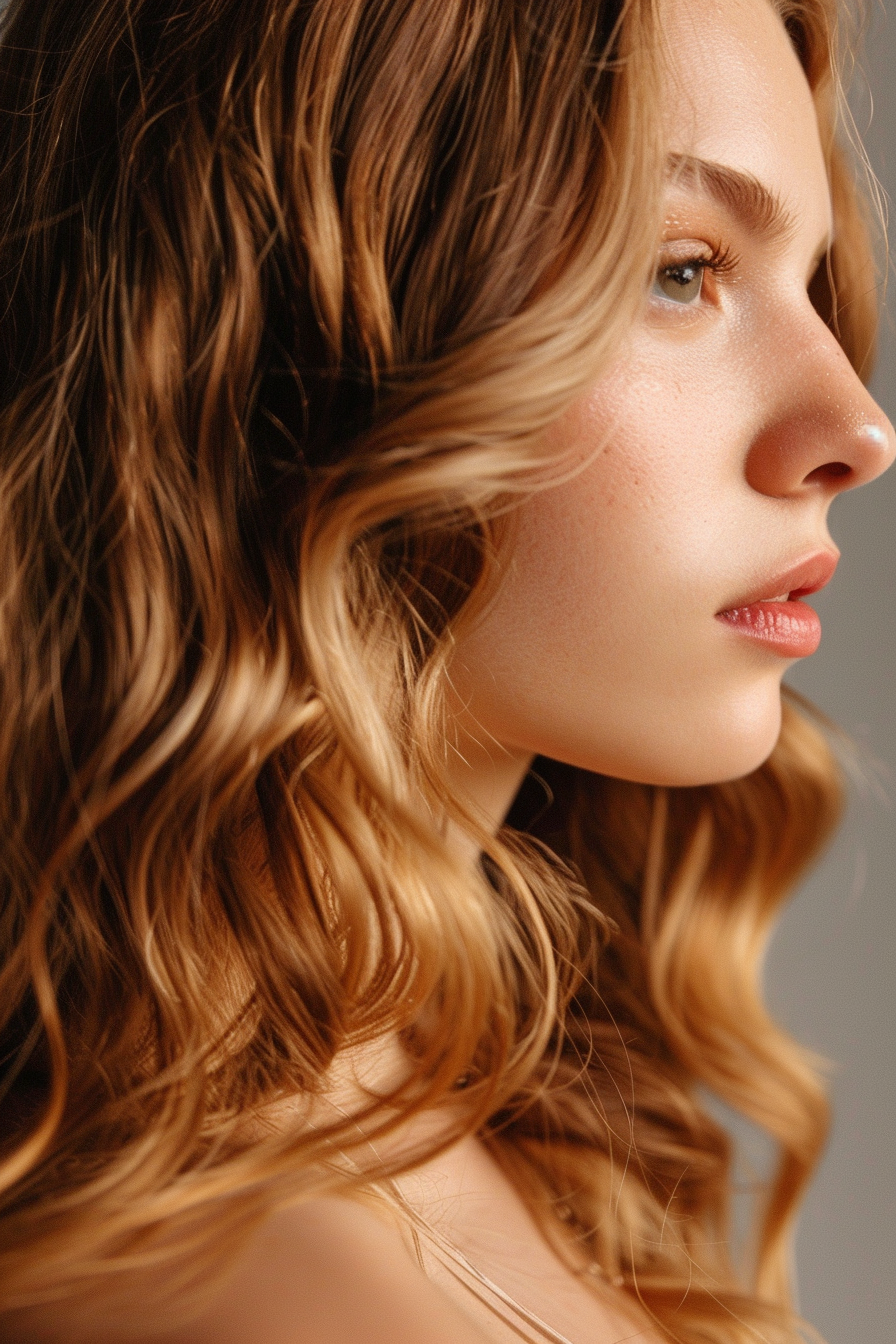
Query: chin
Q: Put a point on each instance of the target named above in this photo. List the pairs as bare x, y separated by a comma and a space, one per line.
685, 747
715, 748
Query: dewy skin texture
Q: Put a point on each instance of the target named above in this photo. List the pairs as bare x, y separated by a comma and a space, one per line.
708, 459
314, 319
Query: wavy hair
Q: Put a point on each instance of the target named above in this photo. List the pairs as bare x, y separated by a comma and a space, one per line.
289, 291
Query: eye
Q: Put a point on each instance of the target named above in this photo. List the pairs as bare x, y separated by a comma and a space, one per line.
681, 279
682, 283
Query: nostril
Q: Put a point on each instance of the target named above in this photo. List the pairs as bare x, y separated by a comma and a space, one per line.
822, 450
831, 471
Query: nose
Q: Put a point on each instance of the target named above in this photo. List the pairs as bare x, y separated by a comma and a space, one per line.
825, 433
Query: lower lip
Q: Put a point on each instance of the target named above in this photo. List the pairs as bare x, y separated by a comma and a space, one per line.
790, 629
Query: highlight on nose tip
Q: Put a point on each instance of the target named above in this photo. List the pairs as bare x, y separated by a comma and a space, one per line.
877, 435
879, 441
872, 452
884, 440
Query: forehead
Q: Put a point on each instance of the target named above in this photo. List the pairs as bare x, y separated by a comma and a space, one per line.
735, 94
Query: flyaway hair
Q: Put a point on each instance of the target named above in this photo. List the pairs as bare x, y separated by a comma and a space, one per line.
289, 291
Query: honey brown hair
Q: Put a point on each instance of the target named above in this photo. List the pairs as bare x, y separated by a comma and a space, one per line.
289, 291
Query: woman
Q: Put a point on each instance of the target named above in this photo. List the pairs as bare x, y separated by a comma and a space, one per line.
395, 393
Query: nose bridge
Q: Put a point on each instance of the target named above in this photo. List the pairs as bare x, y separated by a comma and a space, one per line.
824, 429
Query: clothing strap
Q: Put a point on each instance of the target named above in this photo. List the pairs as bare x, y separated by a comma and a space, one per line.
523, 1322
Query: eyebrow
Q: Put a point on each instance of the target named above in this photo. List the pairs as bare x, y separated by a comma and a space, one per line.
757, 207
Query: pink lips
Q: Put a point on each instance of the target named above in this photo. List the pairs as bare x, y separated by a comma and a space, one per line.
787, 626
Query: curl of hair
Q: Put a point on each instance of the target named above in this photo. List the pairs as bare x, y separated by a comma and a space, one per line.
288, 293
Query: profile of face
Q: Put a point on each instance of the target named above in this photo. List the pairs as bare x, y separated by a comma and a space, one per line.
649, 602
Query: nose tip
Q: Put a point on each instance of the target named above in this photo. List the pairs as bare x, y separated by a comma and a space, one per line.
866, 450
795, 456
876, 448
882, 437
876, 435
826, 434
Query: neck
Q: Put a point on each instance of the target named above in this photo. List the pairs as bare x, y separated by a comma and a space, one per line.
486, 775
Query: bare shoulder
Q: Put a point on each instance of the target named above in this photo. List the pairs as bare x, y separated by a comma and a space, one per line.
330, 1272
327, 1272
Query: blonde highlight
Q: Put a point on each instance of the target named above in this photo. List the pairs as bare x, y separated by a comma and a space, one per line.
310, 317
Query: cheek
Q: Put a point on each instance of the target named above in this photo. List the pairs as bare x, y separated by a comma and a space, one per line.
631, 539
601, 647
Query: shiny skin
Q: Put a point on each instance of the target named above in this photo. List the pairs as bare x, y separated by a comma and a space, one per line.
602, 647
708, 456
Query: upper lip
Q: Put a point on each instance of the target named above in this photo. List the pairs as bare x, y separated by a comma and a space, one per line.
807, 576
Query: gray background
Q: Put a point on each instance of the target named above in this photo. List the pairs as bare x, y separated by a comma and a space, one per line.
830, 974
830, 968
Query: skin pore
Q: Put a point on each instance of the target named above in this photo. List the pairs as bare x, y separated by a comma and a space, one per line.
700, 471
704, 462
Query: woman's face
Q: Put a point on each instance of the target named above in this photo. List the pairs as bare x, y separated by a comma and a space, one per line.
640, 629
